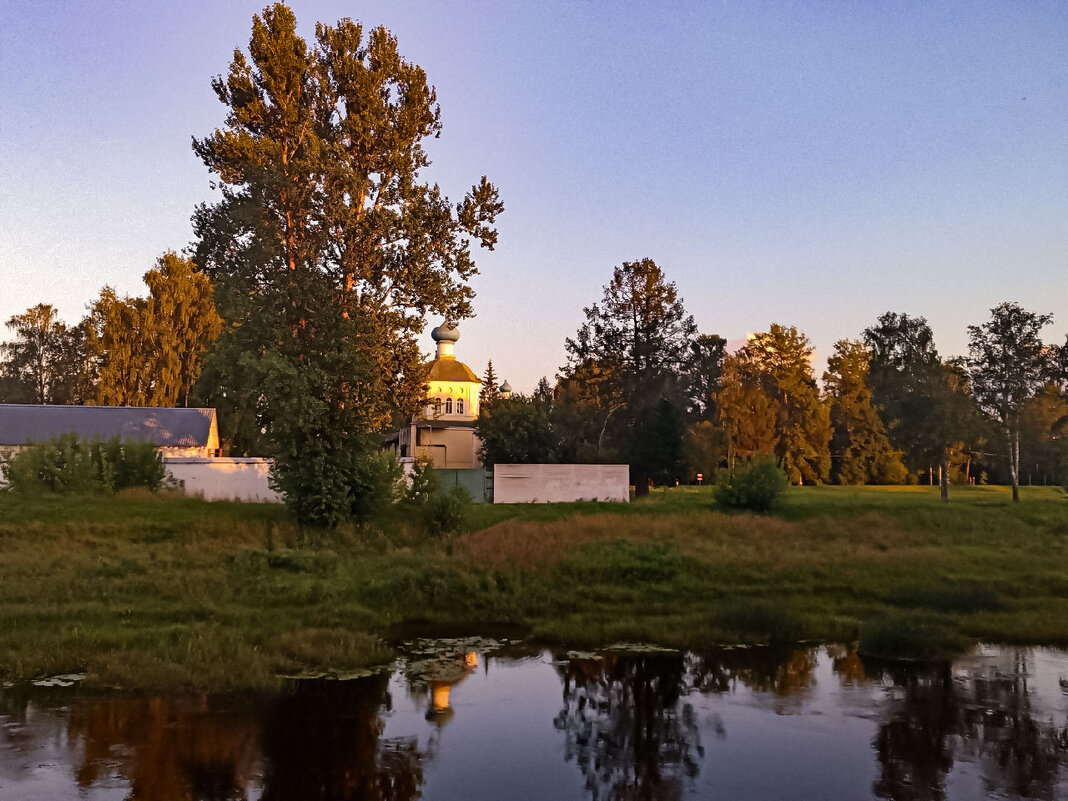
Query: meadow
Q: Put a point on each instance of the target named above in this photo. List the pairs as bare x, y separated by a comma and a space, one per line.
145, 591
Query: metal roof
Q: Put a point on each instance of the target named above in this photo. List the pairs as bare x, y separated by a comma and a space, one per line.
448, 369
163, 427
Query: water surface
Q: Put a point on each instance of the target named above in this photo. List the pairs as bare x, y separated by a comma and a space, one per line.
480, 720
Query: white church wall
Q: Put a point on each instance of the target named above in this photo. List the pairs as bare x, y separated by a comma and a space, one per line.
224, 478
560, 483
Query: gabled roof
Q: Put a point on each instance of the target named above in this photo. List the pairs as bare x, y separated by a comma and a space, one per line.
448, 369
163, 427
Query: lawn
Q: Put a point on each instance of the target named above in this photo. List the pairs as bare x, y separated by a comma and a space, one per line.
145, 591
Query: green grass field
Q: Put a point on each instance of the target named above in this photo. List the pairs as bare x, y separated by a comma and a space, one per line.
145, 591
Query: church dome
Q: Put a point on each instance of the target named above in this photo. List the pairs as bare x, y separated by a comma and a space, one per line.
445, 334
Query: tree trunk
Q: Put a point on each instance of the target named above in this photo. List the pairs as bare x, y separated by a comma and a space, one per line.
1014, 463
943, 477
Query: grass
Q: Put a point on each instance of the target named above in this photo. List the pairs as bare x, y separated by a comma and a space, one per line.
155, 592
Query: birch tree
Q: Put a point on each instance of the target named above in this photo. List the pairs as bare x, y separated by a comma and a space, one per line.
1009, 364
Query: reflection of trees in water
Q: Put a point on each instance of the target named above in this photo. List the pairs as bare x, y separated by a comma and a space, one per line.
626, 728
168, 749
323, 742
986, 714
785, 673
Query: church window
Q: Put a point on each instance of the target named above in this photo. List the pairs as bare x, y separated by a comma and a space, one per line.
448, 406
460, 406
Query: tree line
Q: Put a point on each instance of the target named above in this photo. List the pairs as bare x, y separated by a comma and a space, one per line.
126, 351
644, 387
297, 310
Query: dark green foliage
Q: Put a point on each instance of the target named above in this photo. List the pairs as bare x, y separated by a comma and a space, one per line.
515, 430
656, 441
1009, 365
703, 370
625, 562
46, 362
766, 621
626, 357
961, 597
445, 512
924, 402
68, 464
329, 251
910, 636
755, 485
423, 483
439, 511
860, 450
769, 400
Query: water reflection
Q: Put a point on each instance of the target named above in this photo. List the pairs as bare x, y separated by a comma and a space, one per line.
985, 713
323, 741
655, 726
626, 728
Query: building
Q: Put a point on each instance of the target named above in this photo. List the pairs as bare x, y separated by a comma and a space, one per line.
443, 433
176, 432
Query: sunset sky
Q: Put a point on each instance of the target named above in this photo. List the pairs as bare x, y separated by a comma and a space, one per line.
810, 164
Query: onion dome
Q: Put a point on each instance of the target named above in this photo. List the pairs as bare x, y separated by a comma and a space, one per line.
445, 334
506, 387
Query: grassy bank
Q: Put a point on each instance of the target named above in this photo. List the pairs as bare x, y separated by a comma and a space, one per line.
163, 592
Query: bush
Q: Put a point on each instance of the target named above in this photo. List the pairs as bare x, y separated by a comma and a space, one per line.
910, 637
68, 464
755, 485
445, 512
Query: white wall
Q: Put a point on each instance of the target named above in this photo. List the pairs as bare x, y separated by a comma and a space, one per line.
224, 478
560, 483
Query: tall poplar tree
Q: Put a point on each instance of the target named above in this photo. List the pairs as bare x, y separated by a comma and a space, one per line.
329, 249
149, 351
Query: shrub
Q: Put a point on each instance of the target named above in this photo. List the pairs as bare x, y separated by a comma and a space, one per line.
909, 637
760, 620
755, 485
68, 464
445, 512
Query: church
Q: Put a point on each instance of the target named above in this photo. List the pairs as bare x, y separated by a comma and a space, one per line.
443, 433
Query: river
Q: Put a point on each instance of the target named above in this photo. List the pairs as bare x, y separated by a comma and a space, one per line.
486, 720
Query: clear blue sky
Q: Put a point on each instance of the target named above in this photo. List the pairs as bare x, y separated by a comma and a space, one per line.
813, 164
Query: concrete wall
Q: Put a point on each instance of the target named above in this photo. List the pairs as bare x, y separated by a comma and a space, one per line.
560, 483
224, 478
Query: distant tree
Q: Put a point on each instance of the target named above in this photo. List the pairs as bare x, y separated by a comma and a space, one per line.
491, 389
749, 417
704, 449
543, 393
628, 357
515, 430
702, 371
150, 350
778, 364
1009, 364
119, 327
45, 362
860, 449
924, 402
183, 323
1044, 437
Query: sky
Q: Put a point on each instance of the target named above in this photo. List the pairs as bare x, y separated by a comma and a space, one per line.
805, 163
